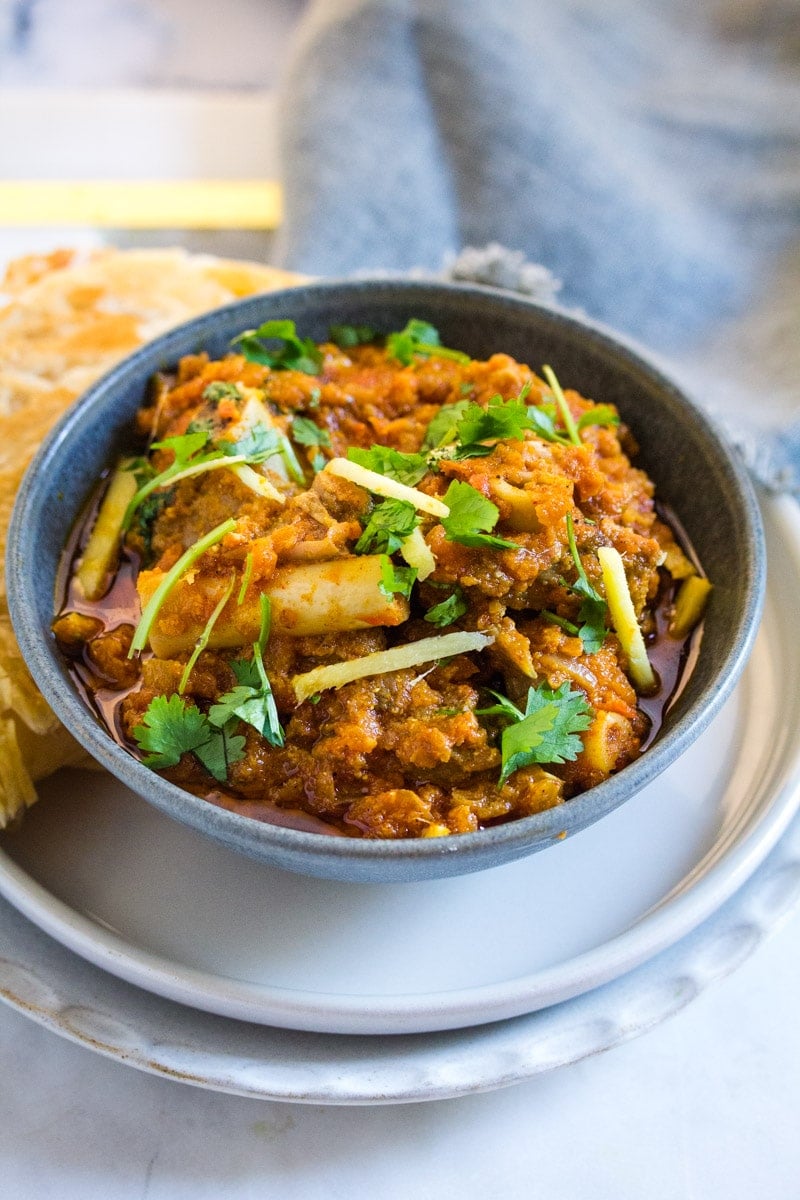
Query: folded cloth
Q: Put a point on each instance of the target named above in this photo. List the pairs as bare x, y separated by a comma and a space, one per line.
645, 152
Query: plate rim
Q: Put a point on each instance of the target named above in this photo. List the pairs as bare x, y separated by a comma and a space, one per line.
672, 919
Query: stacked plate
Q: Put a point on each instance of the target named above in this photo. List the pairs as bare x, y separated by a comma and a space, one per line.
149, 943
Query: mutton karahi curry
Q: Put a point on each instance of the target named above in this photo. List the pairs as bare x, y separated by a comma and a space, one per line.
378, 588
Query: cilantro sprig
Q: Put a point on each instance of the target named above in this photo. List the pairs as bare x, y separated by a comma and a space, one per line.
307, 433
171, 727
276, 344
471, 516
348, 336
405, 468
592, 613
546, 732
447, 611
396, 580
252, 700
389, 524
420, 338
172, 577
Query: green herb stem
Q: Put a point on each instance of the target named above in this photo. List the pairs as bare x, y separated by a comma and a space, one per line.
186, 560
563, 407
202, 641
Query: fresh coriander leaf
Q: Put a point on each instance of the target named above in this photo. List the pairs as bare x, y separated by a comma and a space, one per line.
292, 352
221, 749
447, 611
543, 418
503, 708
170, 728
600, 414
389, 525
252, 701
220, 390
258, 444
146, 514
314, 397
405, 468
547, 732
471, 515
419, 337
246, 672
592, 612
442, 429
307, 433
396, 580
347, 336
318, 463
261, 443
184, 447
501, 419
187, 461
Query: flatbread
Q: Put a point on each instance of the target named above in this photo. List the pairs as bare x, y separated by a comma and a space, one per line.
66, 320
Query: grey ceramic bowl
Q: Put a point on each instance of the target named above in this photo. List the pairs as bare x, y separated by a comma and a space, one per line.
694, 472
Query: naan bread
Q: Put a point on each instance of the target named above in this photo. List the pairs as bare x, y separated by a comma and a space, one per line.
66, 320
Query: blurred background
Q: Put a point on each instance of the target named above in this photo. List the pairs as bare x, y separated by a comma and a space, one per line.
140, 89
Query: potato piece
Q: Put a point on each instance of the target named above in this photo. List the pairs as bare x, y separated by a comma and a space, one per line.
603, 739
311, 598
522, 516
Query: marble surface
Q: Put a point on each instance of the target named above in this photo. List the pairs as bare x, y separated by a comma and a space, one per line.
702, 1107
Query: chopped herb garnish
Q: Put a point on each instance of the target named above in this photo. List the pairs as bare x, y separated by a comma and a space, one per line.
202, 641
188, 461
145, 517
186, 560
220, 390
396, 580
547, 732
471, 516
171, 727
307, 433
252, 700
599, 414
562, 406
499, 420
291, 352
419, 337
261, 443
347, 336
389, 525
405, 468
592, 613
444, 426
447, 611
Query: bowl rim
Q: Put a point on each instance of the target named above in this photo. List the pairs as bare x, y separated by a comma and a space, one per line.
268, 841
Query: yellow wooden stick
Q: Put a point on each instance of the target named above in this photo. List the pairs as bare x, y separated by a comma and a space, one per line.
142, 204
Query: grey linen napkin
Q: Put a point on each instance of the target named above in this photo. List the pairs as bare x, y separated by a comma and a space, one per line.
640, 158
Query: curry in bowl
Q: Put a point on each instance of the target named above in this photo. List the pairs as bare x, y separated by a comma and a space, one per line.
378, 588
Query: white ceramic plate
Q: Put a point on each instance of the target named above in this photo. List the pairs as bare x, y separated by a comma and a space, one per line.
157, 905
97, 1009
